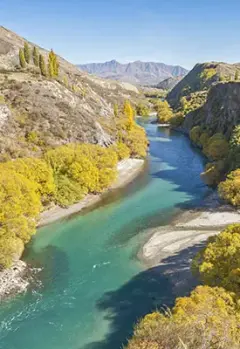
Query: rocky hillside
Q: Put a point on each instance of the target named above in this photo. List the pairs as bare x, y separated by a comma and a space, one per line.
201, 78
37, 112
140, 73
221, 112
169, 83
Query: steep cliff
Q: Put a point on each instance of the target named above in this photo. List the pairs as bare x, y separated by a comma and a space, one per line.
201, 78
221, 112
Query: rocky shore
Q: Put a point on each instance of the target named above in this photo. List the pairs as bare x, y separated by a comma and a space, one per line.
13, 280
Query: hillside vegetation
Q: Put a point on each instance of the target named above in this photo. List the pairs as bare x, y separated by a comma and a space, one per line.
209, 318
206, 106
62, 134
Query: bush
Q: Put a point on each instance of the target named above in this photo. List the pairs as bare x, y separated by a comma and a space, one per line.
213, 172
229, 190
208, 318
137, 142
37, 171
217, 147
234, 154
164, 112
218, 264
121, 150
195, 134
86, 168
177, 120
19, 207
68, 191
142, 109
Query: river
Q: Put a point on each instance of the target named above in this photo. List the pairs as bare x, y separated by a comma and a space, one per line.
92, 287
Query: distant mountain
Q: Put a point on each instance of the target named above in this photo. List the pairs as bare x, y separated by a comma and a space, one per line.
142, 73
169, 83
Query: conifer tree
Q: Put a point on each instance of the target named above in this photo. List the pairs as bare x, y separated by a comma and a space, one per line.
22, 60
35, 56
42, 65
236, 75
27, 53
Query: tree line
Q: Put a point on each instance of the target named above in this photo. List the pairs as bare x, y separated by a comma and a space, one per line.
27, 55
210, 316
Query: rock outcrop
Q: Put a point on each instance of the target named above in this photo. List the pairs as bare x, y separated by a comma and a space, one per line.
221, 112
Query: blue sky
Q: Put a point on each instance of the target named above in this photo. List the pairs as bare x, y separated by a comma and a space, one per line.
173, 31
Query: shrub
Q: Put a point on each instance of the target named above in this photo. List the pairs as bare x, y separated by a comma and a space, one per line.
217, 147
229, 190
68, 191
164, 112
19, 207
218, 264
208, 318
11, 248
137, 142
121, 150
37, 171
234, 153
212, 173
195, 134
204, 139
177, 119
142, 109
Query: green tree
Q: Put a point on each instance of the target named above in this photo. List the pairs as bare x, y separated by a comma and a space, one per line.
22, 60
42, 65
36, 56
27, 52
236, 77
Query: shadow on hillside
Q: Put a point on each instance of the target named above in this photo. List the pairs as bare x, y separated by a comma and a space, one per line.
152, 289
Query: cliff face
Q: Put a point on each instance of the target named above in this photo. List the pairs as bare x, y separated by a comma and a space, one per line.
37, 112
200, 78
221, 112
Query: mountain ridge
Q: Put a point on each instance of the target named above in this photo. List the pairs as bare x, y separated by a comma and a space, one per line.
137, 72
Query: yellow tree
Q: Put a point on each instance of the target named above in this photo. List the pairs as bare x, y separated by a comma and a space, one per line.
164, 112
208, 318
218, 264
129, 113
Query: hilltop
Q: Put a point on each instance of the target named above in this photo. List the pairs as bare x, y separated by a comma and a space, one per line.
139, 73
36, 111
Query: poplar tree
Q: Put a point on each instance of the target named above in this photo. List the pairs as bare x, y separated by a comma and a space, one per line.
236, 75
27, 53
35, 56
129, 112
53, 64
42, 65
22, 60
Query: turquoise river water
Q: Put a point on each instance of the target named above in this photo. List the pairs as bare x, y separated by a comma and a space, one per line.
92, 287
